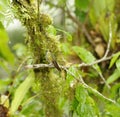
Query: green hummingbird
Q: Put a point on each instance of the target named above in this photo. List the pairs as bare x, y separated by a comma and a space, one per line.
51, 59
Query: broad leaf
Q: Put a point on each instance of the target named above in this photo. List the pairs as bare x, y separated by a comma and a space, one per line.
5, 12
86, 56
21, 92
66, 48
81, 94
81, 8
5, 52
115, 91
114, 58
71, 74
85, 105
68, 35
82, 5
112, 110
118, 64
114, 76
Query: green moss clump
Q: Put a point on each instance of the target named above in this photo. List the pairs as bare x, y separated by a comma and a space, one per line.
39, 41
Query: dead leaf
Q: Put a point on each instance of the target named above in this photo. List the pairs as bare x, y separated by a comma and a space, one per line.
100, 50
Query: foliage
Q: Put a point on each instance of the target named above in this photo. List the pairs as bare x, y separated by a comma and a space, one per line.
83, 41
4, 50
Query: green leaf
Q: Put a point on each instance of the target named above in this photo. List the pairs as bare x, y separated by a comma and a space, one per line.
101, 13
81, 8
86, 106
27, 110
66, 48
70, 78
118, 64
110, 4
68, 35
62, 2
99, 7
114, 76
113, 110
86, 110
81, 94
98, 12
75, 104
20, 49
114, 93
21, 92
105, 29
114, 58
3, 84
51, 29
5, 12
86, 56
3, 5
5, 52
81, 15
82, 4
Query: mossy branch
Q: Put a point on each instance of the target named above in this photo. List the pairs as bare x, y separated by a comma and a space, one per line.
39, 41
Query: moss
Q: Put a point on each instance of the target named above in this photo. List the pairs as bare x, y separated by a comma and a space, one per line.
39, 41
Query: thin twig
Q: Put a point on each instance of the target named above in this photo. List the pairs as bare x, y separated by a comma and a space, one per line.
109, 41
106, 54
102, 77
90, 89
23, 62
96, 62
83, 28
95, 92
36, 66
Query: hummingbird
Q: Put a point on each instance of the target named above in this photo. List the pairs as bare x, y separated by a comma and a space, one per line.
51, 59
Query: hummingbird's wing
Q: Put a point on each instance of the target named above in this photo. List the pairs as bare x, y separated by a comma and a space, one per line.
56, 65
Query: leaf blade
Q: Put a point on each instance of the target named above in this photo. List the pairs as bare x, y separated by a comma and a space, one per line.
5, 52
114, 76
86, 56
113, 60
21, 92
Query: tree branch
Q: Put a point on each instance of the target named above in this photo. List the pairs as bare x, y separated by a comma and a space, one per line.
36, 66
84, 30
